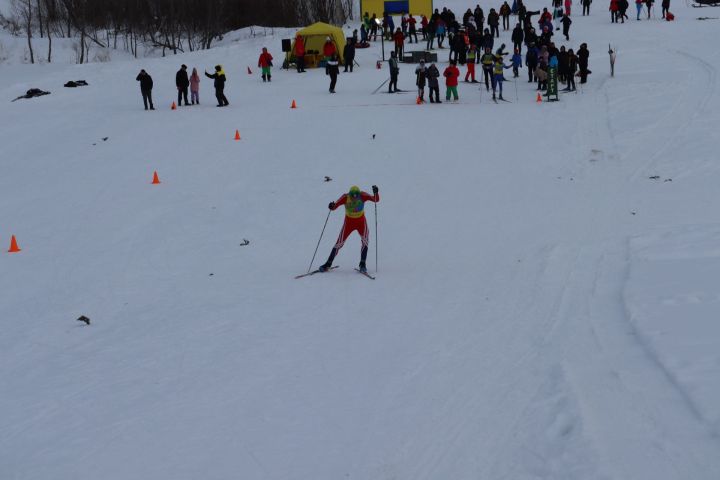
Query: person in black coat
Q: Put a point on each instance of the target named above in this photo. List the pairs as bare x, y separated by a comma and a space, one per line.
219, 84
146, 85
517, 37
583, 55
182, 82
349, 55
566, 25
333, 69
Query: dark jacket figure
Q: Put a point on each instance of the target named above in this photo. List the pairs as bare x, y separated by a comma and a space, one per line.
394, 72
566, 26
146, 85
493, 20
517, 38
182, 82
349, 55
572, 68
586, 7
583, 55
433, 76
219, 84
333, 69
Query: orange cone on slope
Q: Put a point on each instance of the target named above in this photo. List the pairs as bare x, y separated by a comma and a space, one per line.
237, 134
13, 245
173, 106
539, 98
294, 105
156, 179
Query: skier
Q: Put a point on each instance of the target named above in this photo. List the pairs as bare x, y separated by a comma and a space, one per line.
195, 87
572, 68
333, 69
219, 84
146, 85
265, 63
498, 75
614, 8
493, 21
394, 71
433, 75
354, 202
471, 57
586, 7
487, 61
649, 4
182, 82
420, 80
451, 75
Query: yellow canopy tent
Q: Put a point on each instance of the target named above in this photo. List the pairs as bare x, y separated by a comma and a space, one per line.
315, 35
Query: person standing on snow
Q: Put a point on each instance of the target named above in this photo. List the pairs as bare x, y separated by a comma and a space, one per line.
146, 85
471, 58
349, 55
329, 48
433, 76
354, 203
182, 82
219, 84
399, 39
265, 63
195, 87
583, 55
394, 72
333, 69
420, 80
487, 61
300, 54
451, 75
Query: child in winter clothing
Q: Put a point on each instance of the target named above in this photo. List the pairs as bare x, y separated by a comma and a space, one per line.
265, 62
433, 75
516, 63
420, 80
471, 57
195, 87
451, 75
498, 75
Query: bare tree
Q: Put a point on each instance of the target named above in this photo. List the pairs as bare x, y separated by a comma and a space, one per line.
23, 9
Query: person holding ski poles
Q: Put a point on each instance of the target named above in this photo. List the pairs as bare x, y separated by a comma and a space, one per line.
354, 202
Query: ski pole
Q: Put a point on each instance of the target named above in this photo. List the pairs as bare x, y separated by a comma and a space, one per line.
517, 99
319, 240
376, 240
381, 85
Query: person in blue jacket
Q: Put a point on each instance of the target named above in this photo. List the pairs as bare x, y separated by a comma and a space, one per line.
516, 63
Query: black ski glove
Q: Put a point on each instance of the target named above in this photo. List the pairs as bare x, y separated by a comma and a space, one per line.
375, 189
331, 205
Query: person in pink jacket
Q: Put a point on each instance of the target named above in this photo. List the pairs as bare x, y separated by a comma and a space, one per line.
568, 7
195, 87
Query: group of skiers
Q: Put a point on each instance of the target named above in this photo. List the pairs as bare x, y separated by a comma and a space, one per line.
183, 83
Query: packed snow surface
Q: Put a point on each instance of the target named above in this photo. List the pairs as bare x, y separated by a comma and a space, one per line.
543, 309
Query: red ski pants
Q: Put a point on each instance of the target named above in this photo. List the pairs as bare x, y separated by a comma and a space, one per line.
350, 225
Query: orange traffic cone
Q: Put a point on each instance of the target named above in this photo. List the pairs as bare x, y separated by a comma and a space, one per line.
539, 98
173, 106
13, 245
419, 101
156, 179
237, 134
294, 105
249, 71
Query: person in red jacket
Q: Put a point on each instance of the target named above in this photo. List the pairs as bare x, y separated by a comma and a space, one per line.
300, 53
451, 75
265, 62
329, 48
399, 39
354, 202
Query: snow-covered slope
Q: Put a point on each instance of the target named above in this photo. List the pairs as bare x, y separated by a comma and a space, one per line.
543, 309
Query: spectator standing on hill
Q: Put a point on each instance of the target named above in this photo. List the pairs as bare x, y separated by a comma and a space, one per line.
219, 84
182, 82
146, 85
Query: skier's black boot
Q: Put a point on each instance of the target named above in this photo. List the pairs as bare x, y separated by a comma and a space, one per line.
363, 257
362, 267
326, 266
264, 78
